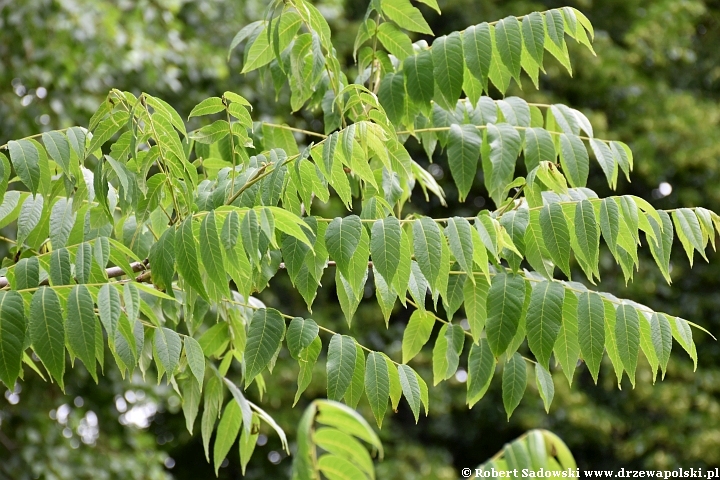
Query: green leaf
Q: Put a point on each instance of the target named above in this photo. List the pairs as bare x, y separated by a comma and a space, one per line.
627, 335
80, 326
83, 262
514, 383
354, 392
377, 385
187, 258
539, 147
60, 273
195, 358
410, 388
307, 359
392, 96
475, 301
464, 143
504, 308
264, 339
446, 353
509, 43
248, 441
607, 162
62, 220
342, 238
587, 233
481, 368
13, 325
544, 317
546, 388
419, 80
477, 46
300, 335
427, 243
167, 346
26, 161
447, 55
211, 254
207, 107
344, 446
162, 260
394, 40
566, 345
385, 246
574, 160
459, 234
27, 273
416, 334
191, 398
58, 147
227, 432
591, 330
47, 332
689, 232
556, 235
533, 34
29, 218
108, 302
340, 365
662, 339
406, 16
213, 403
337, 468
504, 144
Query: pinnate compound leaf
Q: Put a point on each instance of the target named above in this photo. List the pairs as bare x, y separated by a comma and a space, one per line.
419, 80
464, 143
514, 383
591, 330
195, 358
481, 368
265, 334
406, 16
447, 54
342, 238
505, 301
227, 432
385, 246
416, 334
410, 388
186, 248
544, 317
566, 348
377, 385
80, 326
427, 243
167, 346
556, 235
301, 334
446, 353
47, 332
627, 335
545, 385
340, 365
509, 44
26, 161
13, 324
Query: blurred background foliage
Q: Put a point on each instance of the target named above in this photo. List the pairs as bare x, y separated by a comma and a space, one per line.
655, 84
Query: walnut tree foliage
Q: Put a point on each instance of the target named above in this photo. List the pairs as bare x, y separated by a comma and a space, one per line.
135, 232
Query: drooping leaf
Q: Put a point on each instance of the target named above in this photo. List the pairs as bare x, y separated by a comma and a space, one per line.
514, 383
481, 368
544, 382
385, 246
464, 143
591, 330
377, 385
556, 235
627, 335
265, 334
13, 324
340, 365
47, 332
544, 317
447, 55
505, 300
80, 326
167, 346
446, 353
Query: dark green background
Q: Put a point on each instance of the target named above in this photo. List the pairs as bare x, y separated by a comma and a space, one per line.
654, 84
